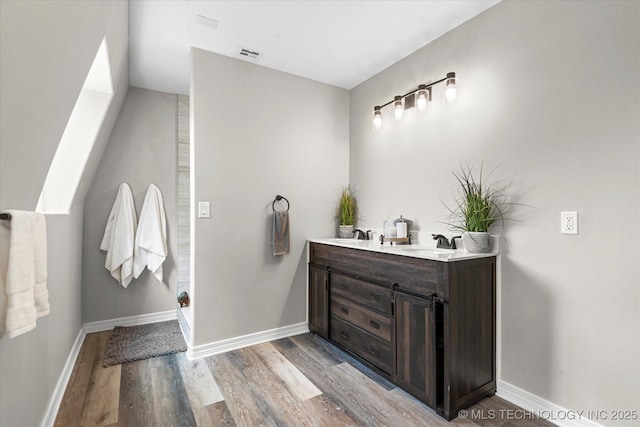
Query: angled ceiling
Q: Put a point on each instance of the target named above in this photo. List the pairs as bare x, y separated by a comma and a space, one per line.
341, 43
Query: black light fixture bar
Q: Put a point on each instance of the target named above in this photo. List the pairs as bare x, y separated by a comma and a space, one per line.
398, 101
417, 89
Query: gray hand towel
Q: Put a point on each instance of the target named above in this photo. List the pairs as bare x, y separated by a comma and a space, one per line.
280, 233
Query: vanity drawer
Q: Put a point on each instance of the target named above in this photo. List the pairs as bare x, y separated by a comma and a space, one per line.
370, 348
371, 321
415, 274
370, 295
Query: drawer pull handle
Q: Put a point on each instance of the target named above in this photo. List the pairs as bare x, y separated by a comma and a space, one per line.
374, 324
344, 310
344, 336
374, 297
375, 352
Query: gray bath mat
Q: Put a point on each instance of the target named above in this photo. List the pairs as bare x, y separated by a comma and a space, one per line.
131, 343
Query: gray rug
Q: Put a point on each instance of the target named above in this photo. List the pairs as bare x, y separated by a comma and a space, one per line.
131, 343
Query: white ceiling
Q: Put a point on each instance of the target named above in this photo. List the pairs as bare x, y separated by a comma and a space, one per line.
341, 43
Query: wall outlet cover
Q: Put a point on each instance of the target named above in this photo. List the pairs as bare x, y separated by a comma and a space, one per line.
569, 222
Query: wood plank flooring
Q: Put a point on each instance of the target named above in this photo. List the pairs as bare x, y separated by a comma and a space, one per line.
296, 381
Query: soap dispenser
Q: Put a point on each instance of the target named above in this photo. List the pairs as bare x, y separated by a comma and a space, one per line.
388, 228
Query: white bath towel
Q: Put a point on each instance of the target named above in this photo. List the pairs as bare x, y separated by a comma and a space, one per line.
23, 272
119, 237
41, 293
151, 237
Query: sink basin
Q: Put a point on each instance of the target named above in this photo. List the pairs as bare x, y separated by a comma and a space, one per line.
418, 250
350, 242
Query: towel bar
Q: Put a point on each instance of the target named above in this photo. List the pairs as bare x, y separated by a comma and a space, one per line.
6, 216
277, 199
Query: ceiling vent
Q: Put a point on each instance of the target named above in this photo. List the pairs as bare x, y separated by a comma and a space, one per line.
248, 54
203, 20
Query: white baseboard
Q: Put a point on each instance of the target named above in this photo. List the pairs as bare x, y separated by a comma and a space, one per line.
142, 319
223, 346
58, 392
543, 408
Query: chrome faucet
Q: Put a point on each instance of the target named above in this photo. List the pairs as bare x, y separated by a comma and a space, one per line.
443, 242
362, 235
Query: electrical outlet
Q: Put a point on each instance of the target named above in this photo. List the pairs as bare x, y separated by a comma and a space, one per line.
569, 222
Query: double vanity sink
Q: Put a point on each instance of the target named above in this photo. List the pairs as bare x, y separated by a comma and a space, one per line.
412, 250
420, 316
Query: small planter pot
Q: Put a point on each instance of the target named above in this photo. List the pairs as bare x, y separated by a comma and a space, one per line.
476, 242
345, 231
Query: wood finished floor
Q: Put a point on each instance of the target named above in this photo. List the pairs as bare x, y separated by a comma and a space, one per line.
296, 381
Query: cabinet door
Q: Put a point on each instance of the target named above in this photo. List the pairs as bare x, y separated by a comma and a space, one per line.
415, 346
319, 300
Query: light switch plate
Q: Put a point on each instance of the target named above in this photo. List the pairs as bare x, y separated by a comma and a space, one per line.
569, 222
204, 209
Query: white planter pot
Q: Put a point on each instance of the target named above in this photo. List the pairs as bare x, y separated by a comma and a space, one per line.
345, 231
476, 242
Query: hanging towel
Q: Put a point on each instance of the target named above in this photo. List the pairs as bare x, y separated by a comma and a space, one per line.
119, 237
23, 272
41, 293
280, 233
151, 237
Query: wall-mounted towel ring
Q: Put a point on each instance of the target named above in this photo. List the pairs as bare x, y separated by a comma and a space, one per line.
277, 199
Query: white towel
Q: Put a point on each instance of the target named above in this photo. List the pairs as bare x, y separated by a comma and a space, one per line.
119, 237
151, 237
23, 272
41, 293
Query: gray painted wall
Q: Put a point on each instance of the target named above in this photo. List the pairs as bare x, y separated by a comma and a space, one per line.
549, 92
141, 151
256, 133
43, 65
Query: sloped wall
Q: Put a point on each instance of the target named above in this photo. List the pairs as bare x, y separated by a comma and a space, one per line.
46, 52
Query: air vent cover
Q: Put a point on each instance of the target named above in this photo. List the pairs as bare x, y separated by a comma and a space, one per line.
203, 20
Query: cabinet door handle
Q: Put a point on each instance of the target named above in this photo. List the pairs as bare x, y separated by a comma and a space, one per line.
374, 296
344, 310
374, 324
344, 336
375, 352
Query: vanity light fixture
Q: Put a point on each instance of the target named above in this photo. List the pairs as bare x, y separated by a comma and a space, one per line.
377, 118
398, 108
450, 87
423, 97
419, 98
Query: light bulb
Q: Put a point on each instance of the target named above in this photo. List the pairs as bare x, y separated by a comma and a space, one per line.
423, 96
377, 118
398, 109
450, 87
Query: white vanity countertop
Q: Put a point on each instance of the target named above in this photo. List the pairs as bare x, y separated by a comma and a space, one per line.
414, 251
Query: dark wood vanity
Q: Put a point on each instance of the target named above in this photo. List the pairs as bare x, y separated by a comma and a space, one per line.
428, 326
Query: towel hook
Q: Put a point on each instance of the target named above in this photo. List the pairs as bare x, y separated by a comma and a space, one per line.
277, 199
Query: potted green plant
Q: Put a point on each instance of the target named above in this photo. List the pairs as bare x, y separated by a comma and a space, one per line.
479, 206
347, 207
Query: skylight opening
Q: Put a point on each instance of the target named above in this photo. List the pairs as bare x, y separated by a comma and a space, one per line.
79, 137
